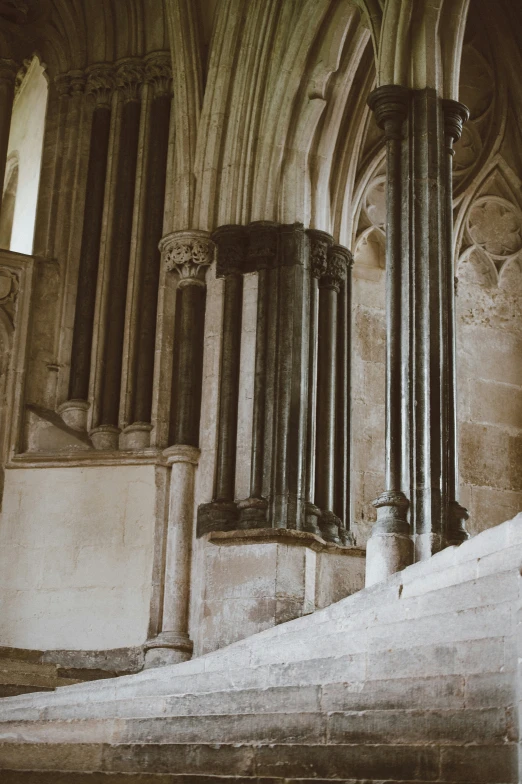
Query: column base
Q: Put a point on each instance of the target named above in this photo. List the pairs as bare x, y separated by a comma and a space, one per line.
74, 414
312, 515
105, 437
329, 525
217, 516
427, 545
252, 513
457, 517
167, 648
385, 555
136, 436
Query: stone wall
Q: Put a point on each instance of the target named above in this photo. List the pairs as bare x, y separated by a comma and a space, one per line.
76, 557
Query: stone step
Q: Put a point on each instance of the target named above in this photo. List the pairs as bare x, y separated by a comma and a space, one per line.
478, 764
27, 777
490, 725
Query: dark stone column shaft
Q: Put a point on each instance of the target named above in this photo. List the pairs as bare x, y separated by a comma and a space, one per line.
119, 263
188, 363
391, 106
149, 277
455, 115
343, 429
89, 255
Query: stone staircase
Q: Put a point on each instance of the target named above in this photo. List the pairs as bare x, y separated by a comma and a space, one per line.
412, 680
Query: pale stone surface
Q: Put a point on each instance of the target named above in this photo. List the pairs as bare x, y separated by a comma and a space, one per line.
77, 556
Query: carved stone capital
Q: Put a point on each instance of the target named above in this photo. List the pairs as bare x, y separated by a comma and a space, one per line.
231, 247
100, 84
338, 261
8, 71
390, 105
262, 245
129, 78
392, 507
320, 243
455, 115
158, 73
189, 253
77, 82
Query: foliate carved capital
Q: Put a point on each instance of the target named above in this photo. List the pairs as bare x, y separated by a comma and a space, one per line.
231, 245
129, 77
8, 71
320, 243
337, 264
390, 105
189, 253
100, 85
158, 73
455, 115
262, 245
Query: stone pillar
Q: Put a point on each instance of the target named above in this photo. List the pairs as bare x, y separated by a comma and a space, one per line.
173, 645
99, 87
455, 115
320, 241
262, 256
343, 399
222, 513
329, 287
129, 80
287, 506
8, 69
189, 253
389, 548
143, 328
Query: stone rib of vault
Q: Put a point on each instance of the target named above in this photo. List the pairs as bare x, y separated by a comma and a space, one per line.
413, 680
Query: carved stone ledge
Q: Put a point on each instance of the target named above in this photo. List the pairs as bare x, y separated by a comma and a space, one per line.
231, 249
100, 84
390, 104
189, 253
158, 73
283, 536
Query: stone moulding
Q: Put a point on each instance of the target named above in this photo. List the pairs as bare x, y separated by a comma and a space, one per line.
283, 536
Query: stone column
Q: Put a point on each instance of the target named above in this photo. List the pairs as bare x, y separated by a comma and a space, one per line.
222, 513
173, 644
343, 400
455, 115
329, 287
262, 256
8, 69
129, 79
99, 87
189, 253
320, 241
389, 548
143, 336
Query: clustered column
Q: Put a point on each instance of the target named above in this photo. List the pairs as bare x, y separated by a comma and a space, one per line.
299, 402
187, 254
99, 89
8, 69
419, 511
